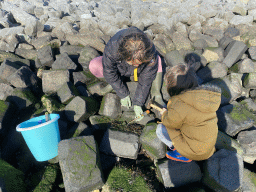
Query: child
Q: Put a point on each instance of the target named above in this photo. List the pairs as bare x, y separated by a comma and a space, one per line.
190, 121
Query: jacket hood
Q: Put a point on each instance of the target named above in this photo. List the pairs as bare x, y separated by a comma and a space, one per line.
205, 98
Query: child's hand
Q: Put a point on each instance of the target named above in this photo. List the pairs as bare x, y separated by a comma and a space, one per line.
163, 110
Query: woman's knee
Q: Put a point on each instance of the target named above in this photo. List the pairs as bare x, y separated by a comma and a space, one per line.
96, 67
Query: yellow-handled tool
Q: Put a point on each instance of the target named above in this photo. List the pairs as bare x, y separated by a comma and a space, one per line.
143, 114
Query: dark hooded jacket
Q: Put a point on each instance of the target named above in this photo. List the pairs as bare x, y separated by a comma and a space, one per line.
191, 121
114, 69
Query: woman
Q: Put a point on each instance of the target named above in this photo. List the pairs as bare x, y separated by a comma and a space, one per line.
130, 53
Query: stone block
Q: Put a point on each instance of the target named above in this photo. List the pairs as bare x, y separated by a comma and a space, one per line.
234, 118
232, 32
63, 61
247, 141
238, 19
200, 44
80, 164
174, 58
225, 41
86, 55
45, 55
22, 98
110, 106
210, 55
79, 129
244, 66
5, 91
81, 108
250, 81
153, 146
252, 52
52, 80
212, 70
121, 144
10, 31
181, 42
223, 171
176, 174
66, 92
26, 53
40, 42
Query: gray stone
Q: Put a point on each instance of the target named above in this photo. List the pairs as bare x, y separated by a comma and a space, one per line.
33, 27
232, 32
176, 174
9, 31
40, 42
225, 41
237, 19
110, 106
234, 52
121, 144
10, 66
174, 58
247, 140
107, 28
234, 118
224, 141
99, 122
80, 78
81, 108
66, 92
86, 39
245, 66
71, 50
195, 35
39, 11
250, 81
86, 55
249, 104
153, 146
26, 53
50, 23
80, 164
5, 91
24, 78
63, 61
231, 87
200, 44
160, 46
216, 33
22, 98
248, 177
52, 80
224, 171
212, 70
181, 41
62, 29
9, 43
79, 129
252, 52
45, 55
100, 88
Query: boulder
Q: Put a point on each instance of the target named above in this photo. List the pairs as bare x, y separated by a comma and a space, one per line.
250, 81
64, 62
66, 92
80, 164
45, 55
121, 144
86, 55
173, 58
175, 174
224, 171
247, 141
26, 53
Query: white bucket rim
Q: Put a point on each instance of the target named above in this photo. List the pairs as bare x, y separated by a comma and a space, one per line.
36, 126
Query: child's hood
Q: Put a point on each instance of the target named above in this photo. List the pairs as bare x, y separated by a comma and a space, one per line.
205, 98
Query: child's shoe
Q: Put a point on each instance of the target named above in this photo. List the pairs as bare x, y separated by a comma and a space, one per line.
174, 155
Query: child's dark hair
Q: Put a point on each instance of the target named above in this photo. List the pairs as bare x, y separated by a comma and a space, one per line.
136, 46
179, 78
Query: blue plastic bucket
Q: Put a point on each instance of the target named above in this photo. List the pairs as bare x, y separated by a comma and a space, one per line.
41, 137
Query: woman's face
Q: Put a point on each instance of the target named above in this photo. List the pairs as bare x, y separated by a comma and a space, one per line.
134, 63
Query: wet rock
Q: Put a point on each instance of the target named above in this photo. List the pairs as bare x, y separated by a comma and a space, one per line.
223, 171
63, 61
87, 107
121, 144
80, 164
45, 55
153, 146
52, 80
66, 92
233, 118
212, 70
110, 106
187, 172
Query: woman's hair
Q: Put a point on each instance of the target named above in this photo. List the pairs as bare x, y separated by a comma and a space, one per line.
179, 78
136, 46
